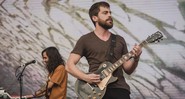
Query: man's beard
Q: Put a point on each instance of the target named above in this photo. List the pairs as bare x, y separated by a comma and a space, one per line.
106, 25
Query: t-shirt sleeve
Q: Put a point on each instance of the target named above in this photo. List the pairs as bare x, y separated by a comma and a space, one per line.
58, 75
79, 47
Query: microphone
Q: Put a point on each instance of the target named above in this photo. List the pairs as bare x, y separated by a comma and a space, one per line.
30, 62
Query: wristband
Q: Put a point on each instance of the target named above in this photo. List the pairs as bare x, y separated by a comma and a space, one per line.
136, 59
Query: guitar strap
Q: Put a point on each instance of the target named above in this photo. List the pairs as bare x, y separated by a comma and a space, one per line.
112, 45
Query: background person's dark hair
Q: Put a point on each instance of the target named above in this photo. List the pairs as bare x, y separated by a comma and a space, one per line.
55, 59
95, 8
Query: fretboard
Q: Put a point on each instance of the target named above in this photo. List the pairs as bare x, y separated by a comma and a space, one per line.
123, 59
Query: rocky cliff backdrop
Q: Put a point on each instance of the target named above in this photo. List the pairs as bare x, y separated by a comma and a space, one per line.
29, 26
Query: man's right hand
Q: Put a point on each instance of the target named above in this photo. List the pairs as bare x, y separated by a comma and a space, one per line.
92, 78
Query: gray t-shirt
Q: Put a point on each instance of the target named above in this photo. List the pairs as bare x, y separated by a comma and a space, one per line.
95, 51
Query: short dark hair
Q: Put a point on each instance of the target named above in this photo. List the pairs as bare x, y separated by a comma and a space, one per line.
55, 59
95, 8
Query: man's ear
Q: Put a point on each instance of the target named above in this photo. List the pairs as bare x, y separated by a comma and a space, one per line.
95, 18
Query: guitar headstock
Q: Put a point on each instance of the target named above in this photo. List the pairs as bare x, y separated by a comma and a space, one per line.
157, 36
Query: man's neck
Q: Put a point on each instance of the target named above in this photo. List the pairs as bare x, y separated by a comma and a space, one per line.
103, 34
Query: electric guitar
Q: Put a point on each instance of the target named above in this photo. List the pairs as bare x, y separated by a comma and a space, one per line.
86, 90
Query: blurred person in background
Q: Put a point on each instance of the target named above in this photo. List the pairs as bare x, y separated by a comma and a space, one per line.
56, 85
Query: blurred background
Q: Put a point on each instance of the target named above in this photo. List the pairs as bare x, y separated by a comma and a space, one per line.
29, 26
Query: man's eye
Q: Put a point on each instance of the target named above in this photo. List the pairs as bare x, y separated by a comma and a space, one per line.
104, 12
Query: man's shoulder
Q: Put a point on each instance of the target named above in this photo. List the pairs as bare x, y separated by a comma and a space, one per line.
87, 35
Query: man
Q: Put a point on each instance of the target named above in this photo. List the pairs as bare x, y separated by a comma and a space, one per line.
95, 46
56, 86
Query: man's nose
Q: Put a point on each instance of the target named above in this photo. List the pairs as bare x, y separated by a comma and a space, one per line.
109, 14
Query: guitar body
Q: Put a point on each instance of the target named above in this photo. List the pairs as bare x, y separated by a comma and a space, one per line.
85, 90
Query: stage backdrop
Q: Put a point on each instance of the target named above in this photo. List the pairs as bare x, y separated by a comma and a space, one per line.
29, 26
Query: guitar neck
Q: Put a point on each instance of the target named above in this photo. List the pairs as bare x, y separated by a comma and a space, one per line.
123, 59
